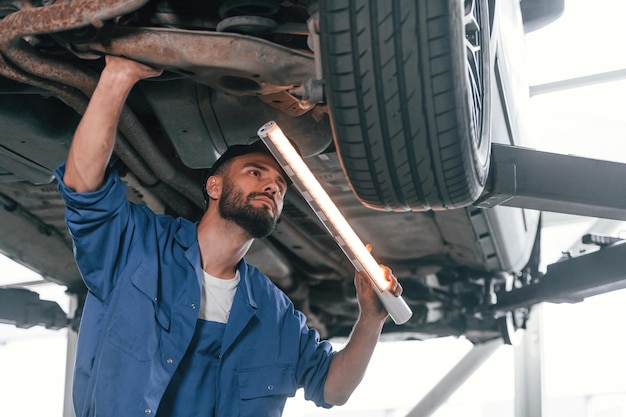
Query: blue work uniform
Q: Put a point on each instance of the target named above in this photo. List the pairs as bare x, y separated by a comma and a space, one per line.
144, 275
196, 376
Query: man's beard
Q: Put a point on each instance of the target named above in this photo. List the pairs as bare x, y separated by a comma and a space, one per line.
257, 222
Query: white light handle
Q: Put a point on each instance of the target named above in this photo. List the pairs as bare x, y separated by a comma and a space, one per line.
332, 219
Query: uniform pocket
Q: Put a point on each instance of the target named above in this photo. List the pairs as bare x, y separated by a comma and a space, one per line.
135, 325
264, 390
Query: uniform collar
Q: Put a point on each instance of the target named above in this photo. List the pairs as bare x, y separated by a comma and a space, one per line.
187, 233
246, 282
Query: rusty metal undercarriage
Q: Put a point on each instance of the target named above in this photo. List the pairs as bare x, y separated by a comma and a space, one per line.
239, 65
229, 66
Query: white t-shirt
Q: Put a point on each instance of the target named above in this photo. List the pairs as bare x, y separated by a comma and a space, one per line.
217, 297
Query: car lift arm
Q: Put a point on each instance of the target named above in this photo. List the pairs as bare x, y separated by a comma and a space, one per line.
571, 280
531, 179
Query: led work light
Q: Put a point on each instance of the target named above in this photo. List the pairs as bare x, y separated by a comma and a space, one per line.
312, 191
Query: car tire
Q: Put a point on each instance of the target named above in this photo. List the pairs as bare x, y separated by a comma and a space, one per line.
407, 85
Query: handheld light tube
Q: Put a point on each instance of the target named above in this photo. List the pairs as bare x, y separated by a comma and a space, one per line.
312, 191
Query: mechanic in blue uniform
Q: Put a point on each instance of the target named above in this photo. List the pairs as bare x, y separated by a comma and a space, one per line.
176, 323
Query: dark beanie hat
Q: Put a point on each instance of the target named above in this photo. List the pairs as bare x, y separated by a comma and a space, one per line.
235, 151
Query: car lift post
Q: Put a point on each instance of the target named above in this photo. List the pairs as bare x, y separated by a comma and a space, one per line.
528, 374
454, 378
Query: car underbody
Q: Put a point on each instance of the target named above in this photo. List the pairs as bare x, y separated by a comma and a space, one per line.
229, 67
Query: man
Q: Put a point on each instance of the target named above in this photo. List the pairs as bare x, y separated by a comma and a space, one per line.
176, 323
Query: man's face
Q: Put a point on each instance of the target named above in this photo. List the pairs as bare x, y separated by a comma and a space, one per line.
252, 194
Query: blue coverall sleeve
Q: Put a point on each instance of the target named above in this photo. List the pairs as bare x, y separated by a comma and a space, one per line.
315, 358
99, 223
